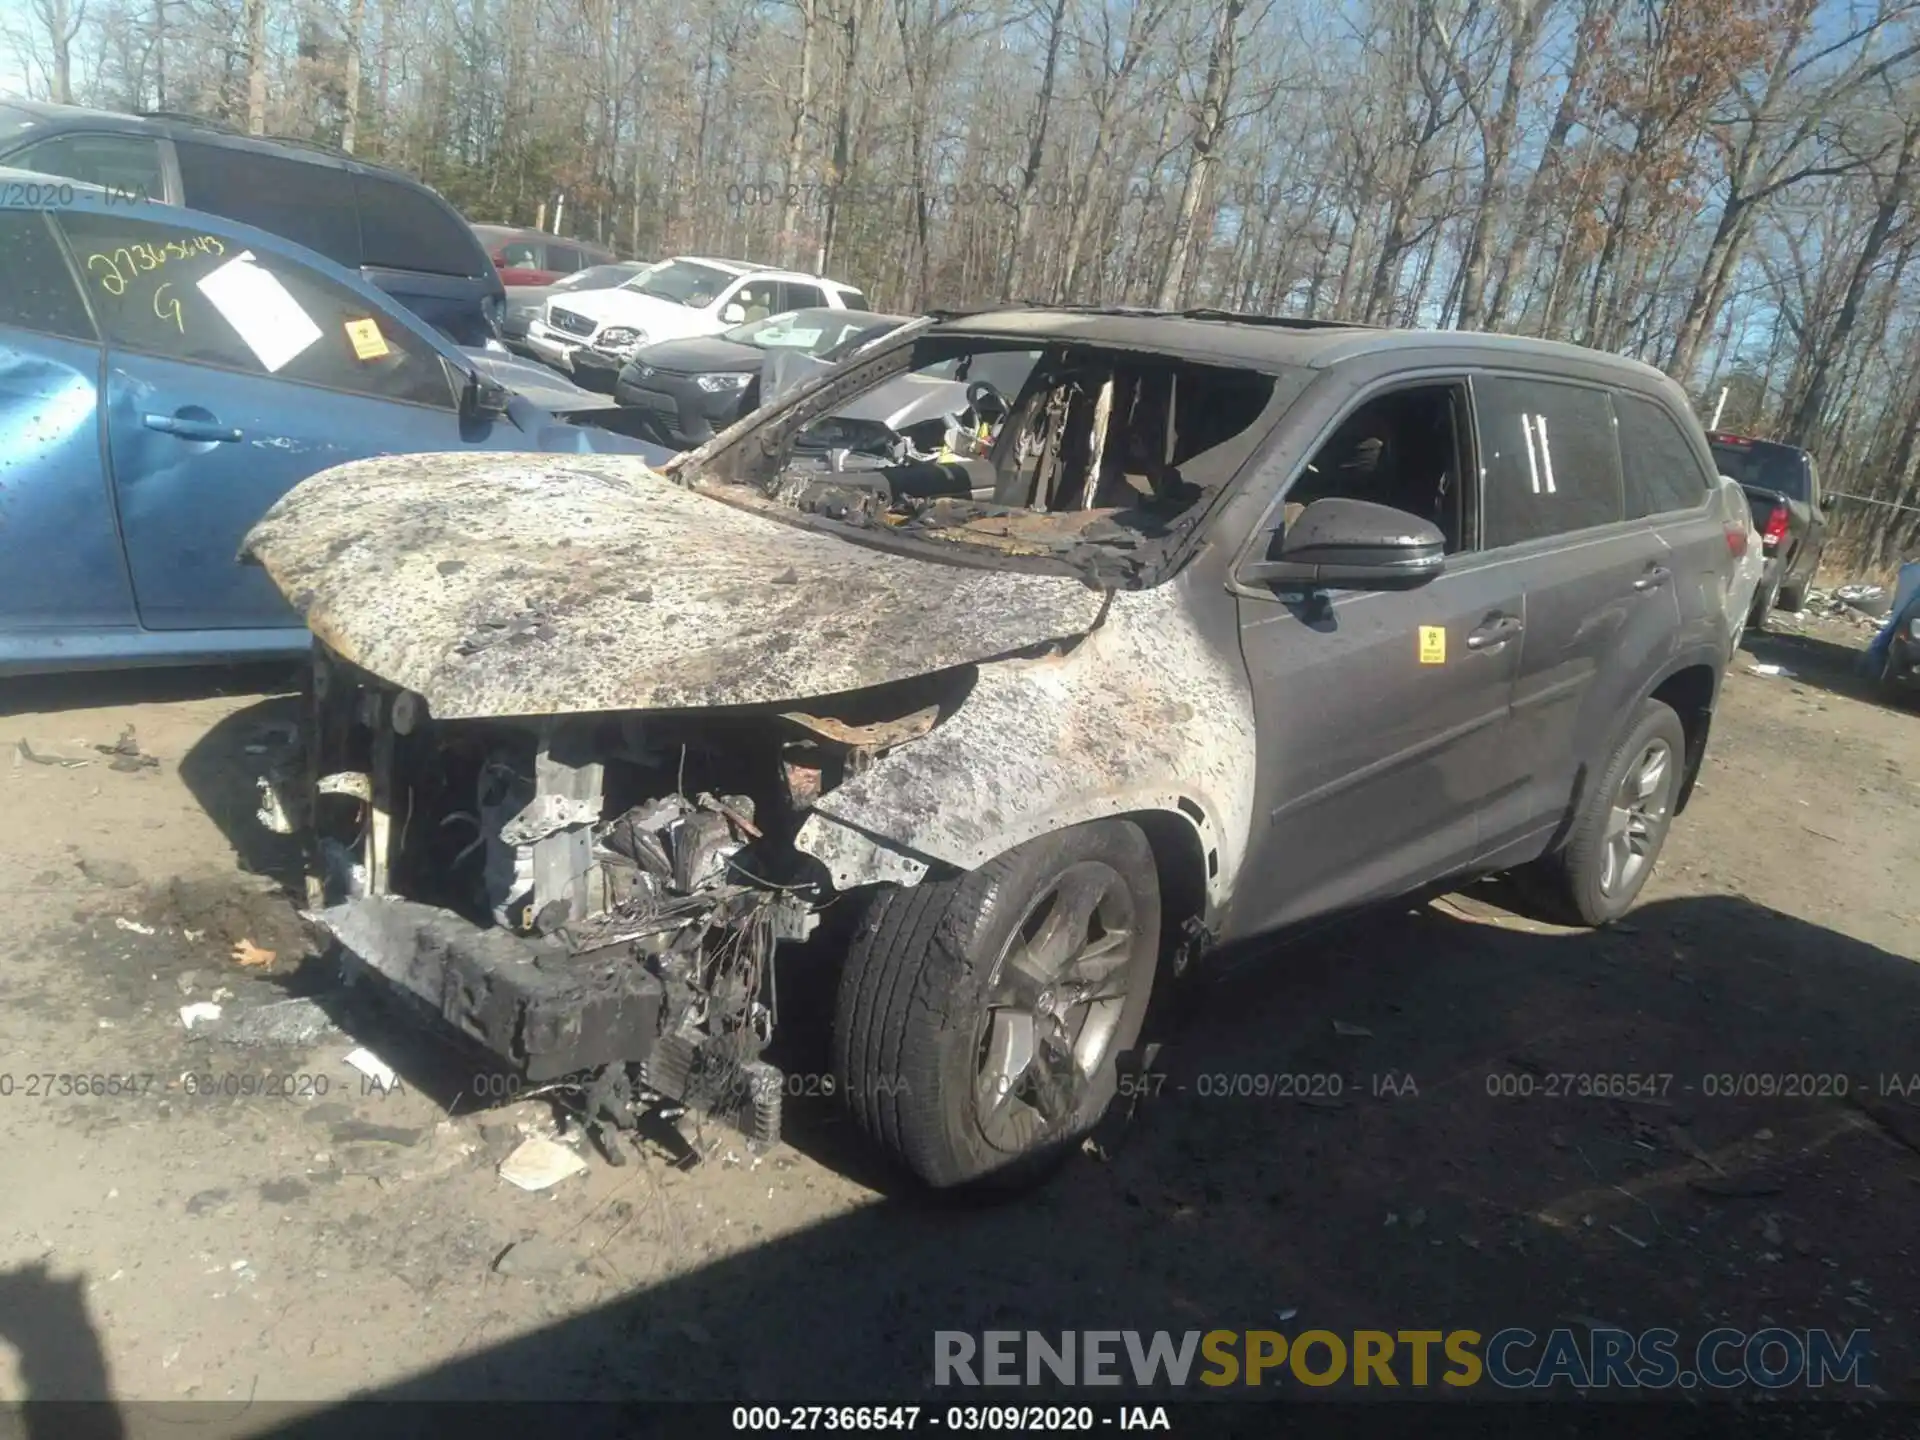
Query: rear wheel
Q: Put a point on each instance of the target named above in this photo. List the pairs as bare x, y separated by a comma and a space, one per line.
1793, 597
1621, 825
980, 1019
1764, 599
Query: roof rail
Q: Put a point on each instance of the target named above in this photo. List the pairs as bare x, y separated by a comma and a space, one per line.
1234, 317
182, 117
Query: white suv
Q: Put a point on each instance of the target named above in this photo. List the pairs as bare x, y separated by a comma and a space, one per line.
674, 300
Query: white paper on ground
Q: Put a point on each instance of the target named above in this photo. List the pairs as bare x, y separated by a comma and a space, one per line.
261, 311
373, 1067
538, 1163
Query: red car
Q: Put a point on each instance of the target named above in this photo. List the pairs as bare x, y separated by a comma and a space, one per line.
530, 257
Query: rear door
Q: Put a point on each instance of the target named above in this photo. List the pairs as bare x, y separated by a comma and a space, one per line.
233, 372
60, 561
1670, 484
1601, 612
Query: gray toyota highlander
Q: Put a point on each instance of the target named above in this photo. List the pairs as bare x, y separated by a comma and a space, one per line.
1228, 624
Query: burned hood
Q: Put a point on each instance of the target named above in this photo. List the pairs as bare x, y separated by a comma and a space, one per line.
531, 585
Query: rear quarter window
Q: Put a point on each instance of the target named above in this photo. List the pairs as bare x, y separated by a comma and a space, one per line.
1662, 471
402, 228
312, 204
1549, 459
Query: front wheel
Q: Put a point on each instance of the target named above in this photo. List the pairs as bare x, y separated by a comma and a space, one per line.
980, 1019
1621, 825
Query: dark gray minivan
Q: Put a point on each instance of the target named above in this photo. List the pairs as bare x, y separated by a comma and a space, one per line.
1215, 625
399, 234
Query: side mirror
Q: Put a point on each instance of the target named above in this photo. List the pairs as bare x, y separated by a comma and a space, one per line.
1354, 545
483, 398
733, 315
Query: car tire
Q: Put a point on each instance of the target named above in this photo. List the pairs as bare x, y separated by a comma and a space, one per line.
1764, 599
1612, 848
949, 983
1793, 597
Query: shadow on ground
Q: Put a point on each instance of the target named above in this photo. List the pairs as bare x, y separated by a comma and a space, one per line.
1692, 1119
93, 689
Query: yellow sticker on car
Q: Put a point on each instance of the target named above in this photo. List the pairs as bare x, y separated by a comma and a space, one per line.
367, 341
1433, 644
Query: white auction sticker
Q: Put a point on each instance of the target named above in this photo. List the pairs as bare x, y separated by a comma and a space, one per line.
261, 311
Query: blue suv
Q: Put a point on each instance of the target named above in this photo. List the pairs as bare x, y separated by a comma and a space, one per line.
165, 376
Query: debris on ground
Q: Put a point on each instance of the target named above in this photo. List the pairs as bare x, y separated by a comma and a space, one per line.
284, 1022
198, 1011
1356, 1032
123, 923
127, 754
115, 874
373, 1067
540, 1164
250, 956
26, 752
1768, 669
536, 1255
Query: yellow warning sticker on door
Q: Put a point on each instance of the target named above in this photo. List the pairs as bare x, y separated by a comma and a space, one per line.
368, 343
1433, 644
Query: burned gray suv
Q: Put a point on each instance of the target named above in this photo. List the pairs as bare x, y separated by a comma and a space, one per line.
1223, 624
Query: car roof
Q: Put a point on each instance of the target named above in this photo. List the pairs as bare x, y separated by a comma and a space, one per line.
1752, 442
1264, 342
51, 119
521, 232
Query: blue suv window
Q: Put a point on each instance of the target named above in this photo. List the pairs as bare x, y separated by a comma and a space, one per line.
173, 292
39, 293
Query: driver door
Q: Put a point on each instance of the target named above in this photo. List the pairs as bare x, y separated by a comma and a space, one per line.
1381, 716
233, 372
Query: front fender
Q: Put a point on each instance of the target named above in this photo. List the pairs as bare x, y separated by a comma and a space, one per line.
1145, 713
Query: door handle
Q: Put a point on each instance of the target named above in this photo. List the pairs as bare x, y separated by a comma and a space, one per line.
1656, 576
188, 428
1495, 631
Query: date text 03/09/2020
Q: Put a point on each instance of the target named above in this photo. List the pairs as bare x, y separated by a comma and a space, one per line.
1009, 1419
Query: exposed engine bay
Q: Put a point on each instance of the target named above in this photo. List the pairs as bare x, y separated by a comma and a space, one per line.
598, 899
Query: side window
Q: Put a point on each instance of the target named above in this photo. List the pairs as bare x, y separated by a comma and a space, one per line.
755, 297
1549, 464
308, 203
1661, 470
1400, 449
402, 228
520, 255
39, 293
854, 300
794, 296
129, 165
565, 259
173, 292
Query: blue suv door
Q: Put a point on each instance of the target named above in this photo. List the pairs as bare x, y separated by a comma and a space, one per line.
236, 367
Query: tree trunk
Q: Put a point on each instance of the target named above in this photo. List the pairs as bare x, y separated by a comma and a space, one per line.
1803, 426
350, 79
256, 67
1206, 155
791, 182
1013, 277
1499, 145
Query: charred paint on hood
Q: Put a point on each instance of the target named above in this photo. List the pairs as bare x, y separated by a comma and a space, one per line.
494, 585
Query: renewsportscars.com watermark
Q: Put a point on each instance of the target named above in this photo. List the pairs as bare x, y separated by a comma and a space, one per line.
1773, 1358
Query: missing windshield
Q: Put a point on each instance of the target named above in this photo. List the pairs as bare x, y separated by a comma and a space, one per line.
1036, 452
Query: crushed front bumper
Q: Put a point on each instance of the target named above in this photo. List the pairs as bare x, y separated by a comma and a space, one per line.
542, 1010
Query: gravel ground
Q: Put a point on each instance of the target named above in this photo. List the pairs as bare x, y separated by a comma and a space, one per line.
264, 1222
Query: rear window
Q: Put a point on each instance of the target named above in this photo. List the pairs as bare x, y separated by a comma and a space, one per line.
853, 300
308, 203
1662, 468
402, 228
1762, 465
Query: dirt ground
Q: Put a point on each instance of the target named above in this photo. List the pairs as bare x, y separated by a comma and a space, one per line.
263, 1223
